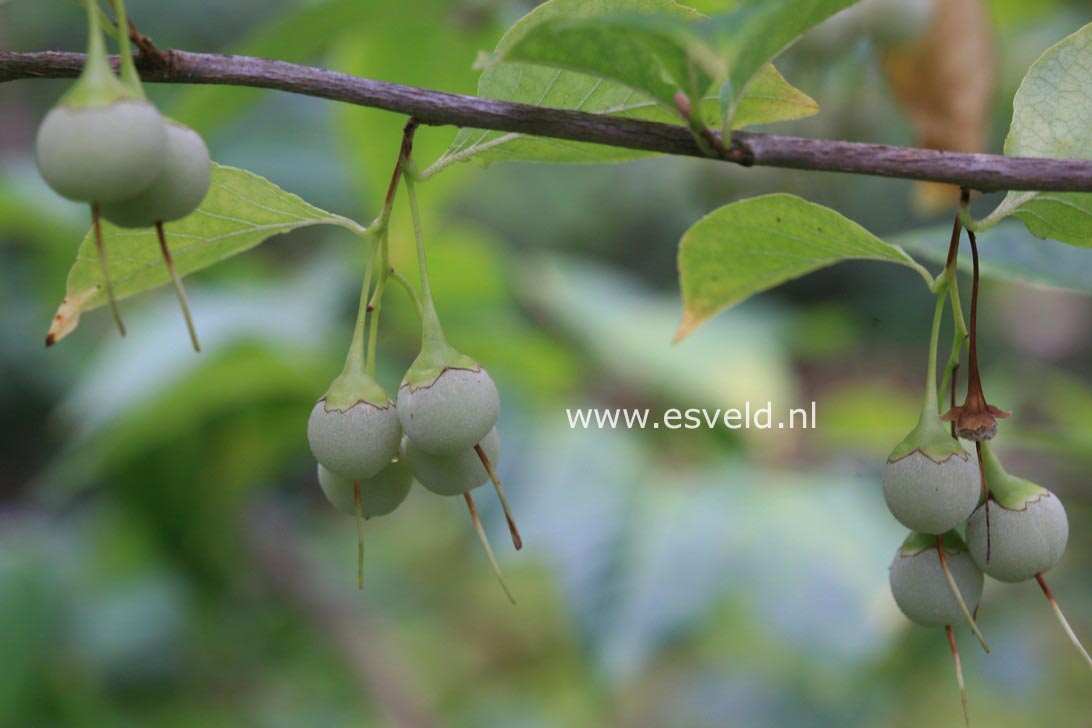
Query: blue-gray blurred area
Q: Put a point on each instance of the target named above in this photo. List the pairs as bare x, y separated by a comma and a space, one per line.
167, 558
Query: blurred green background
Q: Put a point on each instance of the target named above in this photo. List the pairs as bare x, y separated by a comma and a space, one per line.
166, 556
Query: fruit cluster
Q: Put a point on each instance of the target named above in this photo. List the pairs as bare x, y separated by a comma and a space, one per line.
105, 144
1013, 530
441, 431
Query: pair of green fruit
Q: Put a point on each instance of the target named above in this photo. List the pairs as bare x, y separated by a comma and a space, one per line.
385, 491
105, 144
358, 435
140, 169
1027, 524
441, 432
1015, 530
932, 485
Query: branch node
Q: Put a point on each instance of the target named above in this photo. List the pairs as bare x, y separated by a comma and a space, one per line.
148, 54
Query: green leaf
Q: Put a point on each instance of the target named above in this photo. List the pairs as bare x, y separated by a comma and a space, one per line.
648, 45
756, 244
242, 210
757, 32
1009, 253
1052, 117
769, 98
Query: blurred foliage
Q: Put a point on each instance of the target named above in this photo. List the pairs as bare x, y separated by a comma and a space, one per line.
166, 557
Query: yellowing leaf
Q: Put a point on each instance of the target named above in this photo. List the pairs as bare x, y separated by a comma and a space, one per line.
944, 79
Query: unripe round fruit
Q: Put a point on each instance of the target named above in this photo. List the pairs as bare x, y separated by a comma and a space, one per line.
178, 190
452, 414
452, 474
379, 495
1023, 542
931, 497
355, 443
922, 592
101, 154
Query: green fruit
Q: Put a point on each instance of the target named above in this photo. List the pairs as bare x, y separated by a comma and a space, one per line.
357, 442
103, 142
1028, 527
1023, 542
452, 474
179, 189
920, 588
101, 153
452, 413
931, 496
379, 495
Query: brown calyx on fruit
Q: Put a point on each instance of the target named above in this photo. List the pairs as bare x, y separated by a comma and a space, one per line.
976, 419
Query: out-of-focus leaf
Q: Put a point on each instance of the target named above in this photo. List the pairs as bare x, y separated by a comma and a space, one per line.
1050, 118
1009, 252
947, 104
296, 35
626, 329
754, 34
426, 43
223, 384
242, 210
756, 244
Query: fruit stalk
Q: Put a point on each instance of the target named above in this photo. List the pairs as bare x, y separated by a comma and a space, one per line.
517, 540
376, 301
359, 536
179, 289
959, 597
1062, 620
959, 333
356, 361
100, 248
959, 674
127, 67
485, 545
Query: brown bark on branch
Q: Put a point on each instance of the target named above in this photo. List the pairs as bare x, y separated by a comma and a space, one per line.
985, 172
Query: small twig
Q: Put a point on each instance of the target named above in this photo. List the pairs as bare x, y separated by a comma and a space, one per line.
986, 172
149, 54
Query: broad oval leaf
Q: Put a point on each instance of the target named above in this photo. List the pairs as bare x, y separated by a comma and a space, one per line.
769, 98
757, 32
1052, 117
241, 211
1010, 253
753, 245
648, 45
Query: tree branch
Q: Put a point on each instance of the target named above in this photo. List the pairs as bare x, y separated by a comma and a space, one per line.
985, 172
